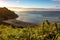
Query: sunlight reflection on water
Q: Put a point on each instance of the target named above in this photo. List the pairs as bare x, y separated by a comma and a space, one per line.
37, 17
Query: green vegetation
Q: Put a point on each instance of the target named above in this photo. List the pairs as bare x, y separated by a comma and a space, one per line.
6, 14
44, 31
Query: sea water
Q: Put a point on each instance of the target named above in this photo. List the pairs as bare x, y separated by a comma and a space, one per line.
38, 16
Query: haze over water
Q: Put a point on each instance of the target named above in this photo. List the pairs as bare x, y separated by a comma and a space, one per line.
38, 16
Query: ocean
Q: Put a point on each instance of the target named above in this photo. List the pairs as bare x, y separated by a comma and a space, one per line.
38, 16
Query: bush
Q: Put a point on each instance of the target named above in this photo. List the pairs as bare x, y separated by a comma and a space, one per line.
28, 33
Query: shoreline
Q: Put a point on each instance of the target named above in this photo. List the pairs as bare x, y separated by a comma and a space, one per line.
18, 24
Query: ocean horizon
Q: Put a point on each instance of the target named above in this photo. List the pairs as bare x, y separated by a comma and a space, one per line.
38, 16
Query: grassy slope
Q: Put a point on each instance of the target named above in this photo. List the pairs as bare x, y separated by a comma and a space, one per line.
40, 32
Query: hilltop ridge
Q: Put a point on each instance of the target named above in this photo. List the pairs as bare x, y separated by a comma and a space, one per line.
6, 14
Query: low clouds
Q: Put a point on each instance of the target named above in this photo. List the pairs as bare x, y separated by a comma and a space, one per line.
57, 0
9, 0
3, 0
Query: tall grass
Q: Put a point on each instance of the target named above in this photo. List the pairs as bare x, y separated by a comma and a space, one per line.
44, 31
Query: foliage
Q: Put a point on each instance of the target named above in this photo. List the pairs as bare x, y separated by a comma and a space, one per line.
44, 31
6, 14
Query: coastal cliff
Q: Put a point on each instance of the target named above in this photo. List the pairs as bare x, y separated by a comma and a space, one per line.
8, 17
6, 14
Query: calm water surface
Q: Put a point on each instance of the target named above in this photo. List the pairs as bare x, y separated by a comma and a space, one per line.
38, 16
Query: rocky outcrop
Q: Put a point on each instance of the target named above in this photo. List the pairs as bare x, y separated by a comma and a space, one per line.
8, 17
6, 14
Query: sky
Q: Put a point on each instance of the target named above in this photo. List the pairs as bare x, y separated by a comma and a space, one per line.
30, 3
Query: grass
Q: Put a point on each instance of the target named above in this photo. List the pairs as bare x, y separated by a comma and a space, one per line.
44, 31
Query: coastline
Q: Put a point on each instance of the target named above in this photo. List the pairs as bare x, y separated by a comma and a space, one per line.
18, 24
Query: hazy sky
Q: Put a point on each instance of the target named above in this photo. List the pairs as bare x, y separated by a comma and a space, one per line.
30, 3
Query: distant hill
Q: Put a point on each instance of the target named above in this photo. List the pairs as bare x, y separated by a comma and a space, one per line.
33, 9
6, 14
